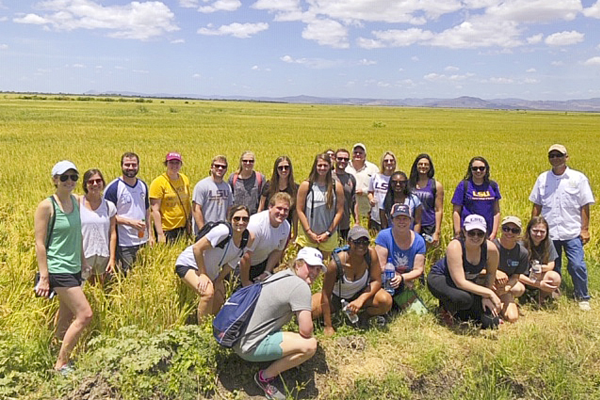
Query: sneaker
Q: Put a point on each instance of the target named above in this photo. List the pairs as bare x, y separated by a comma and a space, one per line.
271, 392
66, 369
380, 321
446, 317
585, 305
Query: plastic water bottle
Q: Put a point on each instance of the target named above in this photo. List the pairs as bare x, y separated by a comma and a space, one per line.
428, 238
536, 268
351, 316
389, 274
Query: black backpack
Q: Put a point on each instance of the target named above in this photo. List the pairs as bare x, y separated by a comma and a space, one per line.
210, 225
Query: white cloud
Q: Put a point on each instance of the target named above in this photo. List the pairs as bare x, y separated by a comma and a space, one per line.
564, 38
479, 32
196, 76
327, 32
501, 80
451, 68
177, 41
3, 47
188, 3
141, 71
135, 20
369, 43
287, 59
594, 61
535, 10
535, 38
398, 38
254, 68
364, 61
434, 77
3, 19
221, 5
414, 59
313, 63
78, 66
593, 11
241, 31
530, 70
557, 63
531, 81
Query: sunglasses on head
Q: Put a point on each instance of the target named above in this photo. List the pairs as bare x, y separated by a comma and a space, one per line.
476, 232
243, 219
66, 177
361, 242
475, 169
96, 181
555, 155
220, 166
507, 229
283, 167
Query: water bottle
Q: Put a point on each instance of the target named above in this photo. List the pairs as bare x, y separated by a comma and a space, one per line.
536, 268
351, 316
389, 274
428, 238
142, 233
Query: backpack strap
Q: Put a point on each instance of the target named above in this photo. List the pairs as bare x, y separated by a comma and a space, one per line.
51, 222
244, 241
225, 241
339, 270
234, 180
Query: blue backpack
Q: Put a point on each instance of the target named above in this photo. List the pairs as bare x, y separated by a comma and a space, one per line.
235, 314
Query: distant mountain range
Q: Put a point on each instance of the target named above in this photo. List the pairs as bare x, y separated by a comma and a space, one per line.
459, 102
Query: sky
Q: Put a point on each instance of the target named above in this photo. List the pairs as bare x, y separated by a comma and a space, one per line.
380, 49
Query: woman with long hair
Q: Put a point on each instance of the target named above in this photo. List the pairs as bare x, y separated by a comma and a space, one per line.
247, 183
431, 194
542, 256
477, 194
320, 205
60, 257
378, 187
398, 193
282, 180
98, 226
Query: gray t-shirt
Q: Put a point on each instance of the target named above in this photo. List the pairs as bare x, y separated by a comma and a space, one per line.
513, 261
214, 198
348, 182
247, 191
277, 303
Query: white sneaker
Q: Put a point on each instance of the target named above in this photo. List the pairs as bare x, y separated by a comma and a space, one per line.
585, 305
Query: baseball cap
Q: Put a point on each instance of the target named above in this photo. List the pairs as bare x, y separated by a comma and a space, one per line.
558, 147
173, 156
400, 209
511, 219
63, 166
358, 232
475, 221
312, 257
360, 145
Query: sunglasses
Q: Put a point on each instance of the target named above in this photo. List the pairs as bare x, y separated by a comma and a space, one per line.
398, 182
507, 229
248, 161
555, 155
361, 242
243, 219
538, 231
96, 181
476, 232
475, 169
343, 158
73, 177
220, 166
283, 167
389, 161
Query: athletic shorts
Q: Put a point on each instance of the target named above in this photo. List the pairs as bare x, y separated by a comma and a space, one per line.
181, 270
428, 229
64, 280
336, 302
98, 264
329, 245
268, 350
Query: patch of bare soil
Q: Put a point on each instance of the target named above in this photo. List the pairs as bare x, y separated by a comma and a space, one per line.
93, 388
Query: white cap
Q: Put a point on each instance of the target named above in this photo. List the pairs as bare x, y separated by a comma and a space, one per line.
475, 221
312, 257
63, 166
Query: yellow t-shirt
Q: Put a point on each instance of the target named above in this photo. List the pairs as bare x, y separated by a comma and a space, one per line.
173, 213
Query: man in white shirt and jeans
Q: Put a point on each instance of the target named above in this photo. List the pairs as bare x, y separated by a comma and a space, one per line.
563, 197
362, 171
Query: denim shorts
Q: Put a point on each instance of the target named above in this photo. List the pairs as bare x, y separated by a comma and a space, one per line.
268, 350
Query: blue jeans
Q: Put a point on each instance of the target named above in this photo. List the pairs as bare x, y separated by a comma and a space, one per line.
575, 265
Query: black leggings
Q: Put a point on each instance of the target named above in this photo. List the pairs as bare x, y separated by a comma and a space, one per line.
465, 306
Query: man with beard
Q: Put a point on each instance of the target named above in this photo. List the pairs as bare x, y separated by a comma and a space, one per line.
348, 181
212, 196
130, 196
271, 231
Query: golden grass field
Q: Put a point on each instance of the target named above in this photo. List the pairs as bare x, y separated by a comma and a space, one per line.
552, 353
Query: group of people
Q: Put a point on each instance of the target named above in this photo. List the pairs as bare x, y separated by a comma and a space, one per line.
249, 220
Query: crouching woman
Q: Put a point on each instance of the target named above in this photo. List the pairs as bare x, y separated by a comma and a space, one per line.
284, 294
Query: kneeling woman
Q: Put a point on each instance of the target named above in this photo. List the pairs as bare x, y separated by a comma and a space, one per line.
204, 265
542, 255
359, 284
452, 279
284, 294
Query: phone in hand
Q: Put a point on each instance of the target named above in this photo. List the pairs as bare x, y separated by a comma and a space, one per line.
37, 283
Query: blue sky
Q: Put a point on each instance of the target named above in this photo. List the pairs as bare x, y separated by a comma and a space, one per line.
388, 49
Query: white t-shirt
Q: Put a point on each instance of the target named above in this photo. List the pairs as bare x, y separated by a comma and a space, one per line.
363, 176
131, 202
95, 228
561, 198
379, 186
215, 257
266, 238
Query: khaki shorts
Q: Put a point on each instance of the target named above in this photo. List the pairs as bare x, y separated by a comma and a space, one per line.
98, 264
329, 245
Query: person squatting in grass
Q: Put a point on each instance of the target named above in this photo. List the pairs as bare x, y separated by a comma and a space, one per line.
452, 280
514, 260
204, 265
399, 193
378, 187
282, 180
170, 201
360, 283
98, 227
477, 194
543, 254
246, 183
431, 194
271, 233
60, 257
403, 248
262, 339
320, 206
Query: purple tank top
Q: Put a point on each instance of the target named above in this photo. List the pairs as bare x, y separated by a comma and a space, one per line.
428, 201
